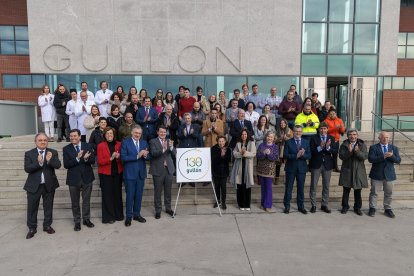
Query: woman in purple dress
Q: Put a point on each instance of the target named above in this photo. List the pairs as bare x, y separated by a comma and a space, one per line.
267, 154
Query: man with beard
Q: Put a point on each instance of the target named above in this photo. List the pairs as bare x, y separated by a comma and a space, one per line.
125, 129
309, 122
170, 121
133, 106
212, 128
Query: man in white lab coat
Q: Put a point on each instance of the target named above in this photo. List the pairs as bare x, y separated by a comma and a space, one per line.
102, 98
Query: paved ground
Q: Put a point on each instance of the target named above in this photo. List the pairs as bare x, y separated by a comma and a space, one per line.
199, 242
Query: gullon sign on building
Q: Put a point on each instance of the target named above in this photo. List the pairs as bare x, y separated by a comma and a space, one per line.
165, 37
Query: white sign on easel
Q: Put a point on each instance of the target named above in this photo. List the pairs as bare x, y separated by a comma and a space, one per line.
193, 165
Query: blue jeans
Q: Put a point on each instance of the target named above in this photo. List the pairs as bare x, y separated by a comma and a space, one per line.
134, 190
300, 182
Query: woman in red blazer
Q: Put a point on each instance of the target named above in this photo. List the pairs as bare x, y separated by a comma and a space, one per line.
110, 176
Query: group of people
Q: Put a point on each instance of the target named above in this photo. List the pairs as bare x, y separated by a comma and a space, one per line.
124, 131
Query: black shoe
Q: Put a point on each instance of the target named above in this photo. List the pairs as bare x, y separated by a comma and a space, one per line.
326, 209
31, 233
344, 210
157, 215
88, 223
223, 206
358, 211
286, 210
389, 213
170, 212
140, 219
77, 227
215, 205
59, 140
371, 212
313, 209
111, 221
303, 211
128, 222
49, 230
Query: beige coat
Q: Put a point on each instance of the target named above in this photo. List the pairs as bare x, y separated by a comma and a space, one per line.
211, 136
236, 172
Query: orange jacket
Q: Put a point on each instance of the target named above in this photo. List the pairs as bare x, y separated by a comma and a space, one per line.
336, 127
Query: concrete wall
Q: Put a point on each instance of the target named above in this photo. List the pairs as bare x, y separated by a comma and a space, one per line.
247, 37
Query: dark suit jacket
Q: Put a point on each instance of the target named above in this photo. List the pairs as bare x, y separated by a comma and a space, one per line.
383, 169
235, 131
134, 168
81, 170
191, 140
323, 157
158, 157
173, 126
32, 167
148, 127
220, 164
294, 165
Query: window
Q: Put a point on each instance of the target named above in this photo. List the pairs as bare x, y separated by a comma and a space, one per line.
313, 65
315, 10
406, 45
23, 81
340, 38
339, 65
314, 38
407, 3
14, 40
367, 10
341, 10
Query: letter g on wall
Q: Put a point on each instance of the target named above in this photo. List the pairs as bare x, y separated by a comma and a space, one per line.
56, 57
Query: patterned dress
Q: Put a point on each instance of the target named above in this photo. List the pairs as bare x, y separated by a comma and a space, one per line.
266, 163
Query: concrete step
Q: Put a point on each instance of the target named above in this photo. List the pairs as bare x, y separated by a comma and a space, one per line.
65, 203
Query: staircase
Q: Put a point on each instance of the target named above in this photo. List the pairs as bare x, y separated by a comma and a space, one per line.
13, 177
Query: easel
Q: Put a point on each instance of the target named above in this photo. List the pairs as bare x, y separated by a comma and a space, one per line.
195, 196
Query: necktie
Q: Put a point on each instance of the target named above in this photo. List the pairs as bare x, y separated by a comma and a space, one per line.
77, 149
323, 138
146, 111
298, 144
242, 124
137, 146
384, 148
41, 153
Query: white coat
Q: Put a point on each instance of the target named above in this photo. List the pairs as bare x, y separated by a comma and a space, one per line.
47, 109
81, 115
91, 96
100, 96
71, 111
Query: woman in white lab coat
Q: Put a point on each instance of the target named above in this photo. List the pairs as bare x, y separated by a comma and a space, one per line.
71, 109
45, 101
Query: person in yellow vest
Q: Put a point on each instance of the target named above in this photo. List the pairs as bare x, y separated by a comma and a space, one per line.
212, 127
308, 121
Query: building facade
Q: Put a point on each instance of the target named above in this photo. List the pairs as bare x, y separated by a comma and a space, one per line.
357, 53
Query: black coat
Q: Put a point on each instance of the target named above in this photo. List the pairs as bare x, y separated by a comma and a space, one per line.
32, 167
190, 140
81, 170
323, 157
173, 126
220, 164
59, 100
96, 138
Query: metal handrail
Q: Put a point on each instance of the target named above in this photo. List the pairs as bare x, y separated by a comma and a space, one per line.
395, 114
393, 133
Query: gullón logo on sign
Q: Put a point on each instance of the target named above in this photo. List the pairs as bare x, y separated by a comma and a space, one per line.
194, 165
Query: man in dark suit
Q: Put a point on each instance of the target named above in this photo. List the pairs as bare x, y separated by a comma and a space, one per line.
40, 163
134, 153
78, 158
296, 152
162, 169
323, 148
147, 117
170, 121
237, 126
188, 133
383, 156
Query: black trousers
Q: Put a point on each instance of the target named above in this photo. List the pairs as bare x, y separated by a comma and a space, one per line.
33, 200
220, 185
335, 156
75, 192
62, 121
357, 198
244, 196
111, 188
